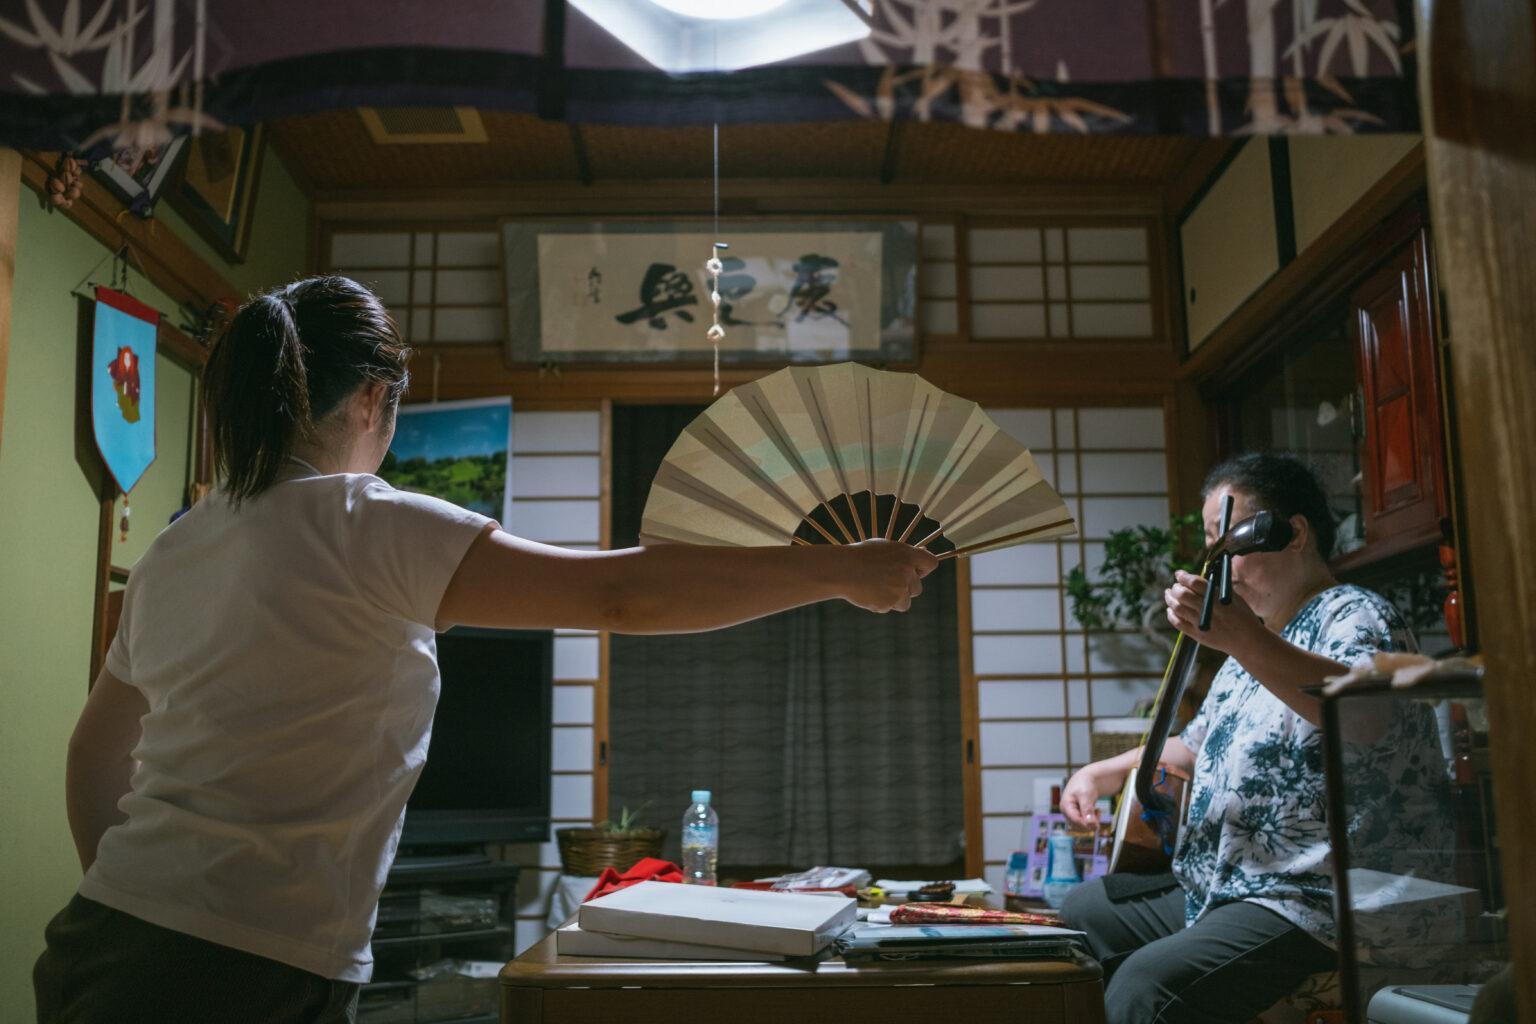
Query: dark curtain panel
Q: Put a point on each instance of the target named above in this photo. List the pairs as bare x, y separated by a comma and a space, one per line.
829, 735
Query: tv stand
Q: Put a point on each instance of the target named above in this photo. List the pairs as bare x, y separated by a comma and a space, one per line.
439, 911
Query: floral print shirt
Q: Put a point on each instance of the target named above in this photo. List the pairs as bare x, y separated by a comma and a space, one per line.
1256, 828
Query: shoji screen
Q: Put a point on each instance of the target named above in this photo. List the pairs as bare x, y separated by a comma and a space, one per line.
442, 286
557, 480
1041, 681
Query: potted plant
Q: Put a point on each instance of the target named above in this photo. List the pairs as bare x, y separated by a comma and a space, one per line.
1139, 563
608, 844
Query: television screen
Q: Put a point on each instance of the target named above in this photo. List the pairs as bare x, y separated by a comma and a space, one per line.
487, 772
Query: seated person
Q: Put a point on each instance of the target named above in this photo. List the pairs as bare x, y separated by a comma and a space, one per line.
1247, 914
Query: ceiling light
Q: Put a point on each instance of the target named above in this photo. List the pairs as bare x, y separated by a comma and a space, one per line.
725, 35
720, 10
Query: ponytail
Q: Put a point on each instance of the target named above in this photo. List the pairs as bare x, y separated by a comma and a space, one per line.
285, 361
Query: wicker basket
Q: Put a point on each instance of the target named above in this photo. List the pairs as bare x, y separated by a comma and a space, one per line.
1113, 736
586, 851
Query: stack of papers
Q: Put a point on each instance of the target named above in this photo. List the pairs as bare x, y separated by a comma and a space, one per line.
735, 923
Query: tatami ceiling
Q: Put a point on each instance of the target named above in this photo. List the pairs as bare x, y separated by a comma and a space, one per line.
334, 151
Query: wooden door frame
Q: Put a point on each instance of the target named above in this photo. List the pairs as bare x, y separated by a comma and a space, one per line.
1477, 83
10, 214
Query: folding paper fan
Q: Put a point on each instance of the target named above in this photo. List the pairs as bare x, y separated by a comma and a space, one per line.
838, 454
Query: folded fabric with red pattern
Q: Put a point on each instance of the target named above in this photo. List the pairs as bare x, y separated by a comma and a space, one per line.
948, 913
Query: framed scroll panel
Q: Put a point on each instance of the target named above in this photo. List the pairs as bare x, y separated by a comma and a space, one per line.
635, 291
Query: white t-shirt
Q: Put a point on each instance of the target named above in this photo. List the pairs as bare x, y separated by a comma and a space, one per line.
287, 653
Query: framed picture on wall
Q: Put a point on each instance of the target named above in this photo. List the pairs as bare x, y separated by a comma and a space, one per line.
457, 451
216, 190
637, 291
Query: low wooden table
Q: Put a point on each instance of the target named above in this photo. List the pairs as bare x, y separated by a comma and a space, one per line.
541, 987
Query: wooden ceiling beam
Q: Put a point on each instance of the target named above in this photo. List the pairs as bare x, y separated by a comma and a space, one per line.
1001, 373
750, 197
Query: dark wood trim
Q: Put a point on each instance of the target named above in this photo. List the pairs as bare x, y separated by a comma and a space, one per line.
1186, 192
10, 213
164, 258
692, 196
1191, 445
601, 688
962, 226
970, 725
1328, 289
1293, 290
179, 347
1184, 188
1285, 206
1478, 86
1045, 374
102, 581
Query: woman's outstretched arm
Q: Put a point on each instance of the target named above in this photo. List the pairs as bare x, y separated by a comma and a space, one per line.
511, 583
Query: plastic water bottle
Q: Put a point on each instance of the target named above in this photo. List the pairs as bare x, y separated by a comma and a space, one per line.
701, 840
1018, 874
1061, 875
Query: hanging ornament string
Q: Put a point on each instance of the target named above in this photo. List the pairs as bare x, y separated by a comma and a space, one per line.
714, 266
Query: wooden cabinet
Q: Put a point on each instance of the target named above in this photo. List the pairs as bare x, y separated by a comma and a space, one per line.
1350, 380
1403, 479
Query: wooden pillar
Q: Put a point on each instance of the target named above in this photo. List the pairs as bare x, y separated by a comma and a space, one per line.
10, 198
1478, 89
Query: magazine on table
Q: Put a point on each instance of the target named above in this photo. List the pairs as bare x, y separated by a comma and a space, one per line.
1020, 941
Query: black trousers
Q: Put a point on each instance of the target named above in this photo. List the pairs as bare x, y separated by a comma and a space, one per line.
104, 965
1234, 963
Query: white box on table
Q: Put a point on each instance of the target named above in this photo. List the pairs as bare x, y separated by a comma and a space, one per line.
737, 919
570, 940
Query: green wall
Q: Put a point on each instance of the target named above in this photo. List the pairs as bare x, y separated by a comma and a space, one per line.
48, 523
279, 232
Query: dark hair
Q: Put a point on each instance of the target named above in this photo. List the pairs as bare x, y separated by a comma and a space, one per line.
284, 362
1282, 484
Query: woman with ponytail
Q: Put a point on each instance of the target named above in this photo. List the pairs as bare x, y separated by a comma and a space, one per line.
238, 776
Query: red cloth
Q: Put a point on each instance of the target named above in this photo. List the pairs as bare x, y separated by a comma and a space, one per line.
647, 869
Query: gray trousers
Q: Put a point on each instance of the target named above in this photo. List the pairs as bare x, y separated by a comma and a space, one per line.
1234, 963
